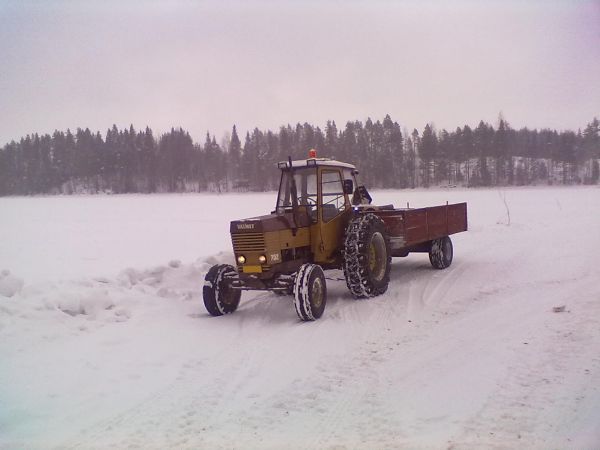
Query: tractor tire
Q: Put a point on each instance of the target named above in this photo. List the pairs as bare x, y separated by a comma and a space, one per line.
219, 298
310, 292
441, 252
367, 256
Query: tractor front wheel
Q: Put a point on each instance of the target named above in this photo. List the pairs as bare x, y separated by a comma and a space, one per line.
310, 292
219, 297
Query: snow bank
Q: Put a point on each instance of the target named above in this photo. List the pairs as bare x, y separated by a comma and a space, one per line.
9, 284
90, 302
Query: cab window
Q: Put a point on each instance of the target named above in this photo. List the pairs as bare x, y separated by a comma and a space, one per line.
306, 188
332, 194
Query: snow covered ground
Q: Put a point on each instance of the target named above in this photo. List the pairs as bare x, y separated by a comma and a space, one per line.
104, 341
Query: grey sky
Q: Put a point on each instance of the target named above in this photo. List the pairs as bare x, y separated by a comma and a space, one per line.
207, 65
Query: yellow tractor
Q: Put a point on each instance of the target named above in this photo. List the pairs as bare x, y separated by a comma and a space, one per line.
324, 219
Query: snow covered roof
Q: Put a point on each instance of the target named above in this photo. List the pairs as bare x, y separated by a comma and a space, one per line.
315, 162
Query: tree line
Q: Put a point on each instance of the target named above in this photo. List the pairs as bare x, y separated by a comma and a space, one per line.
129, 161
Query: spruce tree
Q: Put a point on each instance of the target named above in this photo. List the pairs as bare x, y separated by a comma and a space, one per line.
331, 140
427, 152
234, 154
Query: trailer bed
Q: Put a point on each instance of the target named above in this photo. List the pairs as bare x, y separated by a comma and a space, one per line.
410, 228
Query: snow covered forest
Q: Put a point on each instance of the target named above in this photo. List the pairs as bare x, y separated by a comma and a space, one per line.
137, 161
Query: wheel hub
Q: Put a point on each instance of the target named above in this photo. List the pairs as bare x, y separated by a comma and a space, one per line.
317, 293
372, 257
377, 256
228, 294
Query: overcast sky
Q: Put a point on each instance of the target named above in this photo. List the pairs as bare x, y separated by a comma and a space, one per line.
206, 65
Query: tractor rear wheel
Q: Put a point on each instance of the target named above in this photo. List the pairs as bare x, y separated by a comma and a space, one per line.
441, 252
367, 256
219, 297
310, 292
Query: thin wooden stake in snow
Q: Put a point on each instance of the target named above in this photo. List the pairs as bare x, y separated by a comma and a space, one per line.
502, 195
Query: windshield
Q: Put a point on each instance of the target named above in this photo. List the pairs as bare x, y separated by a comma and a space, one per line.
306, 187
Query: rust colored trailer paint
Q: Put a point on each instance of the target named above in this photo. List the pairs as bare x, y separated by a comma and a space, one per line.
416, 226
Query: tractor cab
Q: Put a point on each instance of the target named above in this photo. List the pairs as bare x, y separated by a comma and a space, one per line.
302, 179
319, 187
321, 192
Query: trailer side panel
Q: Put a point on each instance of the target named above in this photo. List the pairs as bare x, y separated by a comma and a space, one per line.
411, 227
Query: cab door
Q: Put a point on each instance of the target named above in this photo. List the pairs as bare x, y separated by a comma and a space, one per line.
334, 209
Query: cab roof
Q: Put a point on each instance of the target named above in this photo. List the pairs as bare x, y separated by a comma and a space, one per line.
310, 162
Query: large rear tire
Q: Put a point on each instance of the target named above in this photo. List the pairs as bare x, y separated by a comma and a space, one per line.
310, 292
367, 256
219, 297
441, 252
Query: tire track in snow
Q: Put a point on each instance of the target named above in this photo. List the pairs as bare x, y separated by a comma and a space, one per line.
174, 410
358, 378
434, 289
534, 404
201, 405
357, 393
351, 405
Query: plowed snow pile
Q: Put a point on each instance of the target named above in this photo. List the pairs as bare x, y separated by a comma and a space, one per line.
105, 343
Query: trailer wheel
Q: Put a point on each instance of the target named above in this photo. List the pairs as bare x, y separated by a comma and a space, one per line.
441, 252
219, 297
367, 256
310, 292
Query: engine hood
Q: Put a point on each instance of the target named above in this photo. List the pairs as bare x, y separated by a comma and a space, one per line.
268, 222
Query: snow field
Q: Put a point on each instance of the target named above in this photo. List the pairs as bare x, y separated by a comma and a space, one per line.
93, 355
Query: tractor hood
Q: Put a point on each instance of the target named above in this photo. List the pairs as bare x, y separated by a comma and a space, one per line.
269, 222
